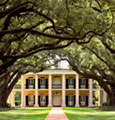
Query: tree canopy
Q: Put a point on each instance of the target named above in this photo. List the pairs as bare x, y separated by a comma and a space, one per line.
30, 26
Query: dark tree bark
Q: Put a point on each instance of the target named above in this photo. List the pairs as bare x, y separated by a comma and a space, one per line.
4, 94
111, 96
3, 99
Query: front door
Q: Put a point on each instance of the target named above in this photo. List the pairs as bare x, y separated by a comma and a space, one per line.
56, 100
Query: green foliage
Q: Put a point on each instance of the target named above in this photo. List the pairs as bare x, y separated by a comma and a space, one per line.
105, 104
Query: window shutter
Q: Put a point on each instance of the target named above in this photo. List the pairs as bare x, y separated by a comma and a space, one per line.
67, 83
39, 100
66, 100
27, 83
80, 100
79, 83
74, 83
34, 99
87, 83
74, 100
38, 83
87, 100
27, 101
34, 84
46, 100
46, 83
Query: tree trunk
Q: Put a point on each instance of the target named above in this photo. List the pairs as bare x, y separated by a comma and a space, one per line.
3, 99
111, 96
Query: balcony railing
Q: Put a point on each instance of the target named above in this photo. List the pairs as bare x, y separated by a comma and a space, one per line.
56, 86
70, 86
83, 104
29, 86
70, 103
17, 86
43, 86
84, 86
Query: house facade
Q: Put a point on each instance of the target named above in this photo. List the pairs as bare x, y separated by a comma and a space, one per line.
58, 88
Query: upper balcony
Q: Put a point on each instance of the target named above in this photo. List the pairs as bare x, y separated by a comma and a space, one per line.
30, 86
70, 86
56, 82
83, 86
56, 86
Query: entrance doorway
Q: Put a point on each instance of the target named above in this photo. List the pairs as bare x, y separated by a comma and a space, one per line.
56, 99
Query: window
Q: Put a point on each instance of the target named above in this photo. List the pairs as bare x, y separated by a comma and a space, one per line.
31, 81
83, 81
71, 81
42, 98
42, 81
31, 98
70, 98
83, 100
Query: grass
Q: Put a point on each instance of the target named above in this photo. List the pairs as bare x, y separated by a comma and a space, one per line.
24, 114
88, 114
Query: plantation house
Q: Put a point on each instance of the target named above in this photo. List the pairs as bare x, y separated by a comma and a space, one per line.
58, 87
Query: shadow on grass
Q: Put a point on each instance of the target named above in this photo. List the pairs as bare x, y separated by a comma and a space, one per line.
7, 109
25, 114
81, 109
24, 117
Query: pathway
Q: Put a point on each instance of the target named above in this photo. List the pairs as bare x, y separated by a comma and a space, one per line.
56, 114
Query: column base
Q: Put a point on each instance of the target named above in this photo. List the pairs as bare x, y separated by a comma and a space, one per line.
22, 106
90, 106
77, 105
63, 105
13, 105
36, 105
49, 105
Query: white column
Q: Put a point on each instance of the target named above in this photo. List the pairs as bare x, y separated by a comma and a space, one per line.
77, 91
104, 96
63, 90
90, 93
50, 91
22, 92
36, 90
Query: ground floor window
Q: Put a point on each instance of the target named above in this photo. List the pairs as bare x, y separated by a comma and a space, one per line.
18, 98
70, 100
42, 100
31, 100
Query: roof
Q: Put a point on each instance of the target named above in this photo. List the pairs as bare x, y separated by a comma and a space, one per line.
56, 71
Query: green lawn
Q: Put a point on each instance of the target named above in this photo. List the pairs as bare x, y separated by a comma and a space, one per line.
25, 114
88, 114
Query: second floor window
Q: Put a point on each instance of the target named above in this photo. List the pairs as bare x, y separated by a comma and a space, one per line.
83, 81
70, 81
31, 81
42, 81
